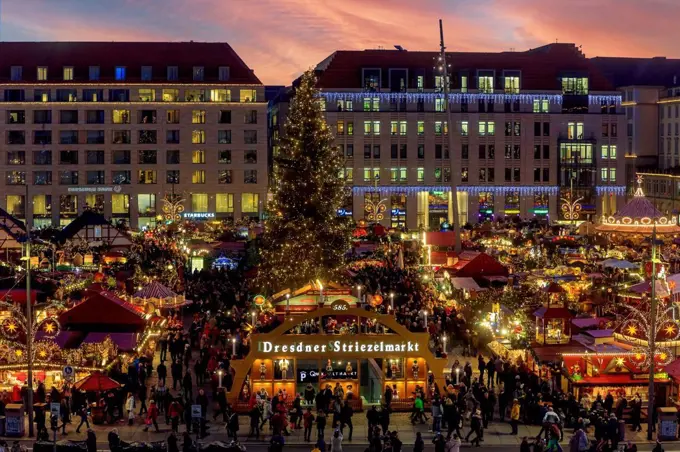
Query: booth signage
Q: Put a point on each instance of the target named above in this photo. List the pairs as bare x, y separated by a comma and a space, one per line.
114, 188
67, 372
371, 346
196, 411
340, 305
308, 376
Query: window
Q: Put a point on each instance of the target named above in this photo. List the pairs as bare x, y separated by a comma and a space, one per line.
147, 73
148, 137
120, 204
16, 117
67, 95
170, 95
371, 174
463, 83
198, 116
119, 95
250, 176
16, 137
172, 137
224, 176
350, 128
487, 128
172, 157
198, 73
16, 178
198, 157
146, 204
121, 157
464, 174
146, 176
541, 106
250, 136
120, 117
147, 157
95, 137
438, 151
482, 152
94, 157
421, 151
605, 130
394, 127
68, 177
464, 128
224, 203
349, 151
93, 73
43, 157
173, 73
95, 178
220, 95
615, 129
172, 177
511, 84
420, 174
42, 116
465, 152
224, 136
198, 136
371, 104
250, 117
68, 137
248, 95
575, 85
546, 151
224, 117
575, 130
147, 95
94, 116
250, 202
440, 127
16, 157
485, 82
120, 73
439, 104
198, 177
42, 73
609, 152
68, 116
68, 73
340, 127
16, 73
224, 156
223, 73
421, 127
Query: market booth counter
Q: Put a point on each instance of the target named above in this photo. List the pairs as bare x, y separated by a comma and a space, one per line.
280, 360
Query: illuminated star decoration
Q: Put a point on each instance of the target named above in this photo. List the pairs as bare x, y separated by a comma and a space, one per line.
620, 361
632, 330
670, 330
49, 327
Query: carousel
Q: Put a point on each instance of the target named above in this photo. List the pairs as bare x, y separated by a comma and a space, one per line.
638, 219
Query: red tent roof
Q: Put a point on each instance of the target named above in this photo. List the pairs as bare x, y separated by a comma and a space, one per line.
102, 311
553, 313
474, 264
18, 295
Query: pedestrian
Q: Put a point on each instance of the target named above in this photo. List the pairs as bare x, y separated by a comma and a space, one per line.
514, 416
130, 407
373, 419
174, 412
579, 442
320, 424
152, 416
65, 411
336, 441
142, 398
346, 419
276, 443
162, 372
255, 414
475, 427
453, 444
436, 411
308, 420
439, 442
91, 441
222, 404
187, 442
187, 386
82, 412
419, 444
176, 371
233, 425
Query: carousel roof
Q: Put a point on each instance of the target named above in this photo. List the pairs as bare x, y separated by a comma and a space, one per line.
639, 216
155, 290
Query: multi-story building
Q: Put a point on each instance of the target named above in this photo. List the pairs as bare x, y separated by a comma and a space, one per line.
118, 127
525, 129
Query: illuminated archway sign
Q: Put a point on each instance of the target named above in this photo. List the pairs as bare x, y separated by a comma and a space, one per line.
280, 344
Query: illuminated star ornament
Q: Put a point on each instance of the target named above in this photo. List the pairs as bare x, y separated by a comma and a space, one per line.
49, 328
632, 330
670, 330
620, 361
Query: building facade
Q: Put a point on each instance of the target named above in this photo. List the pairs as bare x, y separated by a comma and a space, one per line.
524, 129
121, 127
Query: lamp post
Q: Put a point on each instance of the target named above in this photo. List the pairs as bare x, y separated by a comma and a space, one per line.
29, 320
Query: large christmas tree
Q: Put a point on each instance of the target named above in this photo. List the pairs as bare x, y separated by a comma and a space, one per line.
304, 239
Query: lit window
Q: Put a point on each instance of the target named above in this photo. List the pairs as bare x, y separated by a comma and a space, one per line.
42, 73
198, 157
421, 174
120, 73
485, 82
394, 127
349, 174
198, 136
198, 117
511, 84
250, 202
575, 85
463, 83
68, 73
220, 95
440, 104
224, 203
464, 128
341, 127
421, 127
120, 204
248, 95
376, 127
199, 202
147, 95
198, 177
402, 127
367, 127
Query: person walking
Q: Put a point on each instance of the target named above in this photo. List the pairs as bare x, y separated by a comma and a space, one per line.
91, 441
336, 441
453, 444
579, 441
514, 416
346, 419
142, 399
162, 372
308, 420
82, 412
130, 408
419, 444
174, 412
176, 371
320, 424
152, 416
476, 428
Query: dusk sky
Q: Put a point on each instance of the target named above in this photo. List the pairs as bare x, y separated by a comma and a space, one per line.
281, 38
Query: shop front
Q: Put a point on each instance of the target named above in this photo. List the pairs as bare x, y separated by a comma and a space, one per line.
358, 366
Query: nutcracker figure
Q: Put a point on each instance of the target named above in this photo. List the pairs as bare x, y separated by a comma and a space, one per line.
395, 368
348, 368
284, 368
263, 370
414, 369
329, 369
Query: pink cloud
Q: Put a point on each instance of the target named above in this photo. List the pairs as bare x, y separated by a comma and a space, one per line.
281, 38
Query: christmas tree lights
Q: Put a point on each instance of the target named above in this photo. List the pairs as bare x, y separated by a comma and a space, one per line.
304, 239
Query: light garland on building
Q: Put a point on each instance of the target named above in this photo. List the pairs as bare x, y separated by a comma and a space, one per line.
407, 189
593, 99
502, 190
613, 189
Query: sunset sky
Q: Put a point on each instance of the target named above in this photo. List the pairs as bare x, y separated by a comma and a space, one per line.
281, 38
